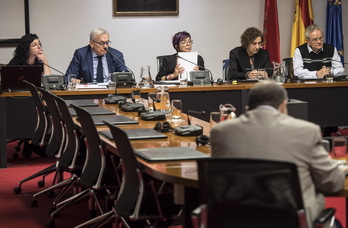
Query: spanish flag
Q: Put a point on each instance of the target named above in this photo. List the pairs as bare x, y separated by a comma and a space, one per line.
303, 17
271, 30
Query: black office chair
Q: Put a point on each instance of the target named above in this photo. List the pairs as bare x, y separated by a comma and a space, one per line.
133, 205
159, 61
98, 177
225, 68
72, 155
250, 193
39, 138
290, 68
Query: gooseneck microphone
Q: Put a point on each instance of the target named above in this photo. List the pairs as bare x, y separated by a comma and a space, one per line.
152, 96
211, 75
40, 61
202, 113
107, 49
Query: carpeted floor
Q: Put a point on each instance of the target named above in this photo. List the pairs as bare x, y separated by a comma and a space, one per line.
16, 210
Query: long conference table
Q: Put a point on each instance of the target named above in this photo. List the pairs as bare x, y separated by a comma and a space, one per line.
326, 104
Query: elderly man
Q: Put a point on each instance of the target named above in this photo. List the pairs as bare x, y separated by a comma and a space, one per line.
94, 63
315, 58
266, 131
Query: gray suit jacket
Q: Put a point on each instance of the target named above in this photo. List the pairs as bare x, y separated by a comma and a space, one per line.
267, 134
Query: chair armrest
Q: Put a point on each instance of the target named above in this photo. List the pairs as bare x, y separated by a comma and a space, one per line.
325, 217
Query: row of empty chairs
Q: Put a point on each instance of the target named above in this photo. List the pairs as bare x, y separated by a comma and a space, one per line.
98, 178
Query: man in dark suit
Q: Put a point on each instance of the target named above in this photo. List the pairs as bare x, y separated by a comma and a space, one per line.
265, 131
87, 59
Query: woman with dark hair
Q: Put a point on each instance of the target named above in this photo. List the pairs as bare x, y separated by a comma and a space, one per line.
170, 69
29, 52
246, 59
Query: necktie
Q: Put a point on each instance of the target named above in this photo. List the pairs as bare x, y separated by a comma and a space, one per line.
100, 77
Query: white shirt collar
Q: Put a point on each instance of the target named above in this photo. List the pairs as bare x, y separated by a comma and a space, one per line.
311, 50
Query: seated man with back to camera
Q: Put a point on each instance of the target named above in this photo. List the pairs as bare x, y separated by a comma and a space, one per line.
265, 131
246, 59
314, 59
86, 60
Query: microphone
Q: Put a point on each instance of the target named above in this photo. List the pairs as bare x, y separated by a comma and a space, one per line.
40, 61
152, 96
211, 75
202, 113
190, 130
107, 49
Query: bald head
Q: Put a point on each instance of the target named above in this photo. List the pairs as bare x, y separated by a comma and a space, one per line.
267, 93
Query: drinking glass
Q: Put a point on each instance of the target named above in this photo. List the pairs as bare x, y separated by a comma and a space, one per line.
151, 100
136, 94
329, 76
183, 79
214, 118
176, 110
71, 82
339, 148
261, 75
163, 103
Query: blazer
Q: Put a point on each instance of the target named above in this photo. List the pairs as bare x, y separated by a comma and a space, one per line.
82, 63
268, 134
168, 64
240, 61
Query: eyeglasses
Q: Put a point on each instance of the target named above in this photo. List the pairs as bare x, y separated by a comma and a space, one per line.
317, 39
101, 43
35, 44
186, 42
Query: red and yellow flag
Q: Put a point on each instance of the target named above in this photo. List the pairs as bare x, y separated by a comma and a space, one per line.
303, 17
271, 30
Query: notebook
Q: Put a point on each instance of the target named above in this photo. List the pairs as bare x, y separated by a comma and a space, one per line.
12, 76
140, 133
81, 103
170, 154
115, 120
94, 111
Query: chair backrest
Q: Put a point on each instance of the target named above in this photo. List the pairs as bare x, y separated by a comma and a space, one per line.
225, 68
42, 119
132, 186
94, 167
71, 152
57, 138
250, 193
159, 61
290, 67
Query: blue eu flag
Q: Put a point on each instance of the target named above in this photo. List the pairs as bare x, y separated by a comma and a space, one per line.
334, 32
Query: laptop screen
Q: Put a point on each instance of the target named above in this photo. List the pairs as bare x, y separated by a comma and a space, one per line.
12, 76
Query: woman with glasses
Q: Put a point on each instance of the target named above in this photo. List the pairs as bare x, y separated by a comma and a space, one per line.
169, 68
29, 52
246, 59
